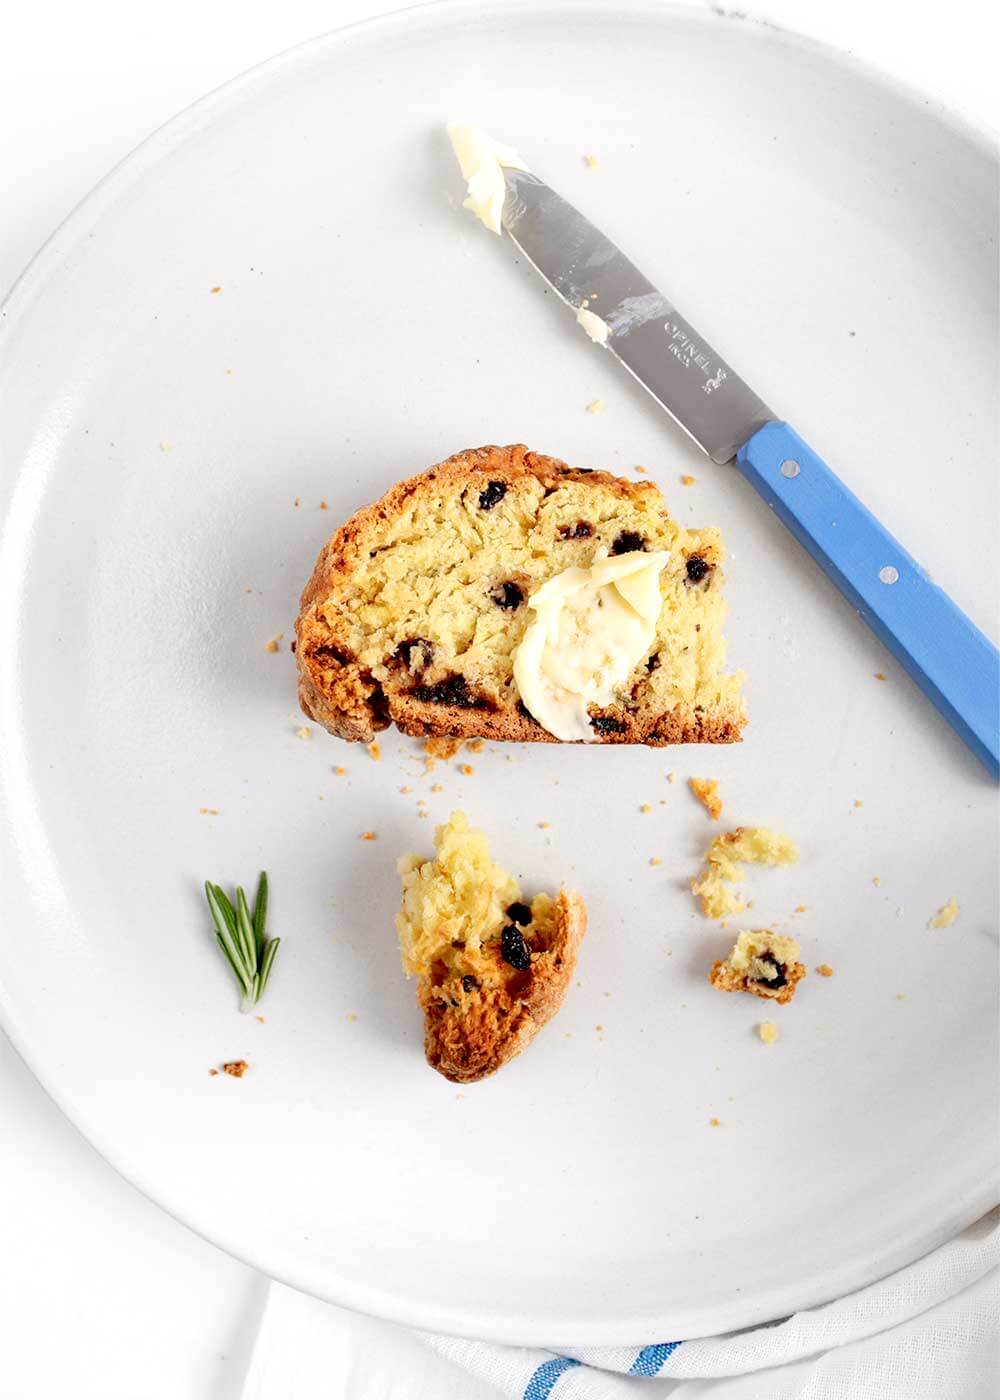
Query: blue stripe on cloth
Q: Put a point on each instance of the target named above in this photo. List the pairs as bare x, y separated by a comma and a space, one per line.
541, 1383
650, 1359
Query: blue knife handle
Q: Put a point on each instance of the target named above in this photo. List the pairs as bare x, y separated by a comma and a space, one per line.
950, 659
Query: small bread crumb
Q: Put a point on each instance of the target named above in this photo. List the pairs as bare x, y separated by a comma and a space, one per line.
800, 908
437, 788
166, 446
707, 792
768, 1032
544, 826
467, 769
640, 469
595, 406
214, 291
858, 802
687, 480
591, 161
442, 746
645, 807
825, 970
671, 777
368, 836
375, 749
715, 1122
339, 772
876, 880
351, 1016
209, 811
404, 789
879, 676
303, 732
260, 1019
323, 505
213, 1071
655, 860
297, 502
945, 916
237, 1068
598, 1028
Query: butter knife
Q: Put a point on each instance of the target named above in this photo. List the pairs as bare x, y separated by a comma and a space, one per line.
951, 660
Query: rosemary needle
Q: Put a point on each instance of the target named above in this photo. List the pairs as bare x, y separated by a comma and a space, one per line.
242, 936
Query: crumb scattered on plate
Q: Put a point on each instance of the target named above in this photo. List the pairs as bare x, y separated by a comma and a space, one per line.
544, 826
858, 802
761, 962
214, 291
275, 643
800, 908
645, 807
595, 406
339, 772
876, 880
724, 862
640, 469
166, 446
467, 769
825, 970
323, 505
437, 788
671, 777
715, 1122
707, 792
879, 676
404, 789
368, 836
209, 811
375, 749
768, 1032
303, 732
591, 161
655, 860
687, 480
945, 916
237, 1068
475, 745
442, 746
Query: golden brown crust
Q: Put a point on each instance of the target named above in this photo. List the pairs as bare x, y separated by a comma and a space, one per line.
471, 1030
340, 693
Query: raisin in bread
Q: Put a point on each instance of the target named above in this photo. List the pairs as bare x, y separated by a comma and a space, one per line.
417, 605
491, 970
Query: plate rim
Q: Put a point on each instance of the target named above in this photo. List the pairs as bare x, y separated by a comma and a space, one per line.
453, 1319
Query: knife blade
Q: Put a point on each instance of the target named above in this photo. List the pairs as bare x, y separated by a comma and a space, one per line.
951, 660
702, 393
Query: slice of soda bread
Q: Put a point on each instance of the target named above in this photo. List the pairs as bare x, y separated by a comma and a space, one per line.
417, 605
490, 969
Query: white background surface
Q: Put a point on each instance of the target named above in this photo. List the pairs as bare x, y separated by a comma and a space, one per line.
100, 1293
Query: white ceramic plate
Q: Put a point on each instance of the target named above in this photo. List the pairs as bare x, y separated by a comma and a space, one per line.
165, 450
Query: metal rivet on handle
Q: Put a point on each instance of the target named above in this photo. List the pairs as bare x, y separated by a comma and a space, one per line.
888, 574
790, 468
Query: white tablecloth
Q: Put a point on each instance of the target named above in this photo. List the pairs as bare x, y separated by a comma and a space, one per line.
101, 1294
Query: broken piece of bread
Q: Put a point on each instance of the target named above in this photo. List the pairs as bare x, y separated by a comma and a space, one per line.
419, 603
761, 962
491, 970
724, 862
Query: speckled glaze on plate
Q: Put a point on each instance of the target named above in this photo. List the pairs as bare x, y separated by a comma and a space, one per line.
277, 302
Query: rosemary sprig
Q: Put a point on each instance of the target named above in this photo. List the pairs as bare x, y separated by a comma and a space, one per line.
242, 936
